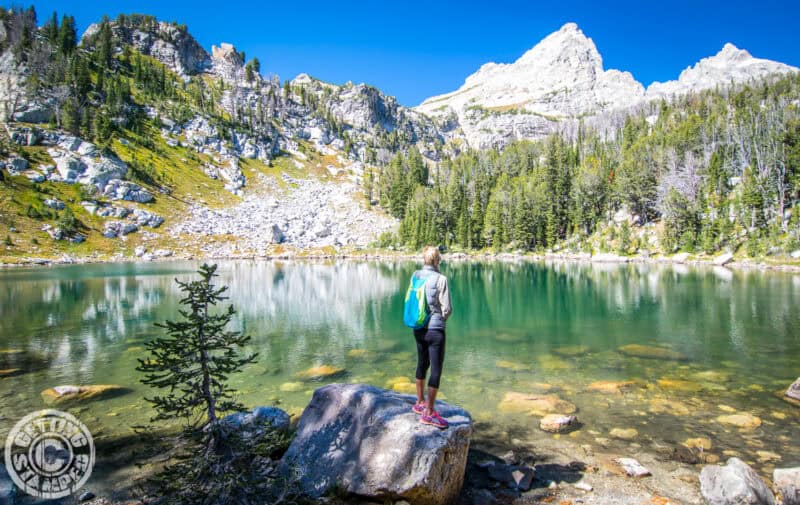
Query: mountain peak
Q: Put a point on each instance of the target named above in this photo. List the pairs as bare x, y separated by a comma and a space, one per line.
562, 75
730, 52
570, 27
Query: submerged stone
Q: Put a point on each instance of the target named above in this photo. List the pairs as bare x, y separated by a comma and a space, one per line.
743, 420
615, 387
550, 363
557, 423
68, 394
788, 399
764, 456
624, 433
571, 350
533, 404
679, 385
292, 387
651, 352
509, 338
321, 372
514, 366
359, 353
664, 406
698, 443
631, 467
711, 376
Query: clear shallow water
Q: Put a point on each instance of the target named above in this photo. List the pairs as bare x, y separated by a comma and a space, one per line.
526, 328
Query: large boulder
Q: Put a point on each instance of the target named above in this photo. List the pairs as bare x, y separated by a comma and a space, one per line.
367, 441
734, 484
786, 483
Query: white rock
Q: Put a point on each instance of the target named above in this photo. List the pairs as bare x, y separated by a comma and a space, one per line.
680, 257
632, 467
723, 259
730, 64
786, 484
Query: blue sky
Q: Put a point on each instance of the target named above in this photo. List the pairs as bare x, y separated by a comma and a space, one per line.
417, 49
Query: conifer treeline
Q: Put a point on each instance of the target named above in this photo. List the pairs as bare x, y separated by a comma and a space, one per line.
719, 169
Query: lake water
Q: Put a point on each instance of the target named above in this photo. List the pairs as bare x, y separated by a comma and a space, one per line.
726, 341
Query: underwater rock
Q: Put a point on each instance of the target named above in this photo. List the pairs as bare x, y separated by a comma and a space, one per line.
366, 441
292, 387
550, 363
509, 338
701, 443
557, 423
69, 394
679, 385
572, 350
615, 387
537, 405
514, 366
651, 352
664, 406
711, 376
765, 456
741, 420
624, 433
734, 484
631, 467
321, 372
359, 353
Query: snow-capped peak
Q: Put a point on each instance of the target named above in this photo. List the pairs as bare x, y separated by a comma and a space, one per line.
562, 75
729, 65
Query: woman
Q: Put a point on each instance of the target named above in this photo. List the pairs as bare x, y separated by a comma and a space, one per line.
431, 339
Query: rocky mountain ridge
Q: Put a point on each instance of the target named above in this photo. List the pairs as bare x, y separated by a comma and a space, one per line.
561, 80
223, 126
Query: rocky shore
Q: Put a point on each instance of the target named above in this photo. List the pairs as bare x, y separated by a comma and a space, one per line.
288, 252
360, 444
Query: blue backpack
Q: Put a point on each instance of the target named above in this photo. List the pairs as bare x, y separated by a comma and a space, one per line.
416, 312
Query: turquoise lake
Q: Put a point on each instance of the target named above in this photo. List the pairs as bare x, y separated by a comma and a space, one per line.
711, 343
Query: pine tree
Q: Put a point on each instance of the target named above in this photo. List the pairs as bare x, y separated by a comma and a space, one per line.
196, 357
67, 37
105, 45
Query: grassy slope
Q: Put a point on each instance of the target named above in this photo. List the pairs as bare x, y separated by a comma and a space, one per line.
178, 181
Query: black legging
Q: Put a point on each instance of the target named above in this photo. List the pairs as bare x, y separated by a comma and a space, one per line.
430, 352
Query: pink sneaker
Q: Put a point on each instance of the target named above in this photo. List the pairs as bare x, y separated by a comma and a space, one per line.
418, 408
434, 420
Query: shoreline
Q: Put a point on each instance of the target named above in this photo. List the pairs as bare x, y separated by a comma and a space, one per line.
388, 255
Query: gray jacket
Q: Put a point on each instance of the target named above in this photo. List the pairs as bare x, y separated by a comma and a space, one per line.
438, 295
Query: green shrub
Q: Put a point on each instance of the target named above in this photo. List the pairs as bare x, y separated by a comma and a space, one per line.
68, 222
